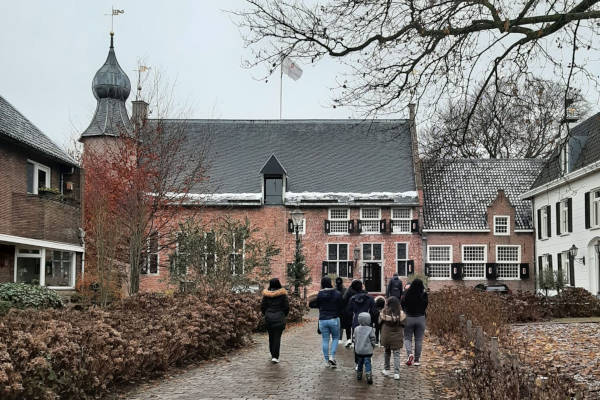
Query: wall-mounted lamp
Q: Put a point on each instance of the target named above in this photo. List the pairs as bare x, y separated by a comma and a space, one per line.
573, 253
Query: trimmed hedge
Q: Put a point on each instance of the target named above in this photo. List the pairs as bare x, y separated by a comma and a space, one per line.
53, 354
22, 295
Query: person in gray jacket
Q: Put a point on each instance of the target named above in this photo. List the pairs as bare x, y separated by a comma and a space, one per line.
364, 342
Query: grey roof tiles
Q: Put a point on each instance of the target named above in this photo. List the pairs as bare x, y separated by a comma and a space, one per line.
15, 126
457, 192
346, 156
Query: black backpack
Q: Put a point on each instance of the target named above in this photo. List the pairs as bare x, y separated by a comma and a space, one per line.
396, 288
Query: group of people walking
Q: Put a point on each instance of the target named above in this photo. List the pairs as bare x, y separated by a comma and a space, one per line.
393, 322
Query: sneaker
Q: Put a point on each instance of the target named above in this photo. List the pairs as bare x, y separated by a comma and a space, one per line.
356, 367
369, 378
327, 365
386, 372
275, 360
359, 375
416, 363
410, 360
332, 364
348, 342
396, 376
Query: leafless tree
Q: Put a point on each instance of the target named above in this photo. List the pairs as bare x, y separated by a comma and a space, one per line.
510, 120
423, 51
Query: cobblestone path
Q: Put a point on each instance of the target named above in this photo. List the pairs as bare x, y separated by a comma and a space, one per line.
301, 374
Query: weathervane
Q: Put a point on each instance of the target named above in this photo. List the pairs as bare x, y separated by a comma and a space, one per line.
141, 68
112, 18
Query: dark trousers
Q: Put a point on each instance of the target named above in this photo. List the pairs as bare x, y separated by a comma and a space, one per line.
348, 333
275, 341
377, 331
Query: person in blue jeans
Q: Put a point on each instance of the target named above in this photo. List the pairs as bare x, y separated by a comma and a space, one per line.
329, 303
364, 342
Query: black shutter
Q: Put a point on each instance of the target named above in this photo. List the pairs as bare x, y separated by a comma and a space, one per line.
391, 222
410, 267
540, 264
327, 226
559, 263
382, 226
571, 271
325, 268
570, 213
549, 261
558, 218
587, 210
549, 220
427, 270
351, 226
290, 226
539, 222
359, 226
456, 271
414, 226
524, 271
350, 269
490, 271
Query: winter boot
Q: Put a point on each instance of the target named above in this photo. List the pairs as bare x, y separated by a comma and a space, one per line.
369, 378
358, 375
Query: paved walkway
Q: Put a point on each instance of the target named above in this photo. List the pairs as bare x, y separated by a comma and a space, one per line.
249, 374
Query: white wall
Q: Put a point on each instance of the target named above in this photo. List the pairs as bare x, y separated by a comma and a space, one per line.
586, 276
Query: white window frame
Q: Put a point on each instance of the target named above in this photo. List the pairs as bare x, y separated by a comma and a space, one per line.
396, 221
595, 208
401, 259
377, 221
36, 167
337, 268
564, 259
477, 262
243, 250
42, 259
437, 262
516, 263
148, 254
544, 221
564, 217
362, 256
333, 221
496, 225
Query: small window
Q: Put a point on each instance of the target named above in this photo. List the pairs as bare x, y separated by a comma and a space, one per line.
474, 258
370, 219
401, 220
501, 225
564, 216
595, 208
440, 259
371, 252
401, 258
274, 190
544, 221
38, 176
337, 260
338, 220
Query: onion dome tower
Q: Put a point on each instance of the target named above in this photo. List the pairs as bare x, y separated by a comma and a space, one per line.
111, 87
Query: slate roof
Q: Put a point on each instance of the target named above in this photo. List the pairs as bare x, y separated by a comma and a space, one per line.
15, 126
584, 149
457, 192
346, 156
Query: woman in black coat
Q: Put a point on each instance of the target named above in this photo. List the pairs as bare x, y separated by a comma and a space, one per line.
275, 307
339, 286
355, 288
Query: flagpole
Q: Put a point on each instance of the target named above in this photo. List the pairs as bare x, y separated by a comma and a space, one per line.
280, 86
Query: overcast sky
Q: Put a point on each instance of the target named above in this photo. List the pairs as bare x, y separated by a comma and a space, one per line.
54, 48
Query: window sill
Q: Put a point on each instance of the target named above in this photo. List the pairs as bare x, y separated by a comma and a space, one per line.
402, 233
501, 234
338, 234
370, 233
564, 234
543, 239
440, 279
510, 279
594, 228
480, 278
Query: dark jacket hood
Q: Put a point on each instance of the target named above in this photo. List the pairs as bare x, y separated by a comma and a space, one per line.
361, 298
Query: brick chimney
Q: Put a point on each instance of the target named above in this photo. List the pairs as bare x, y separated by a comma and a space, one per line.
139, 112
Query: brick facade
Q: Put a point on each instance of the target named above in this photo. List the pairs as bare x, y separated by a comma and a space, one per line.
273, 222
525, 239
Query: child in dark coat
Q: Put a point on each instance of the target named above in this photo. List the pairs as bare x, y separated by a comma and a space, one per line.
379, 305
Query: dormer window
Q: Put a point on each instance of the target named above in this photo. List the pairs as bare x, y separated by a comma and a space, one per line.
274, 181
38, 176
274, 190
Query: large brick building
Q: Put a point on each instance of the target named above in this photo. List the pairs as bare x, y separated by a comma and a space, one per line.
40, 212
476, 227
353, 179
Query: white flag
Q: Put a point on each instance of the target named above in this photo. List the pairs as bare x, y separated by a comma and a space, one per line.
291, 69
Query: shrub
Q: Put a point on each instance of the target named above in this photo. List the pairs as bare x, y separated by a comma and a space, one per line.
23, 295
50, 354
575, 302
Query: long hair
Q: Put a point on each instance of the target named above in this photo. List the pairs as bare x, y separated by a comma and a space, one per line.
274, 284
393, 306
416, 289
326, 282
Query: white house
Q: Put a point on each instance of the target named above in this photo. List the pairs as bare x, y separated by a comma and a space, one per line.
566, 204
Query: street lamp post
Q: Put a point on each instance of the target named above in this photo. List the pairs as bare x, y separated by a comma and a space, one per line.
297, 217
